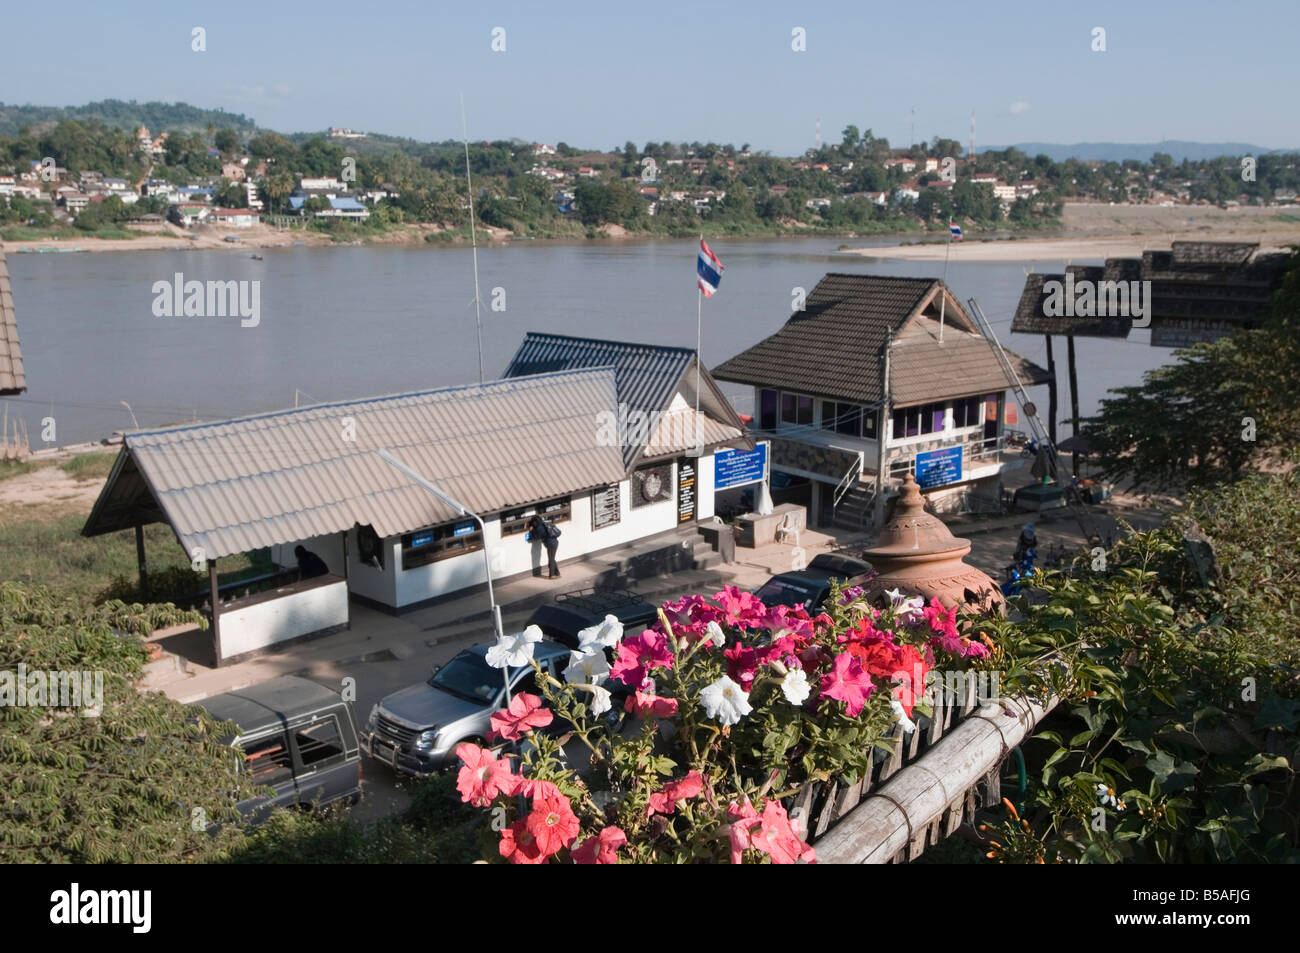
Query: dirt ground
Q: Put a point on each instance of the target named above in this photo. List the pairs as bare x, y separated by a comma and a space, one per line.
1104, 231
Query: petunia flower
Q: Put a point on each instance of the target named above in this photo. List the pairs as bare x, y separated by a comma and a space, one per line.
524, 714
519, 846
742, 664
795, 686
665, 802
601, 848
744, 610
514, 650
848, 682
743, 819
714, 634
639, 655
552, 823
588, 664
483, 776
942, 621
643, 705
601, 700
777, 837
535, 788
725, 701
901, 716
909, 611
606, 634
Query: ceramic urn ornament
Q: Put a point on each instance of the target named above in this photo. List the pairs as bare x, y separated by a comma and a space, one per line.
918, 555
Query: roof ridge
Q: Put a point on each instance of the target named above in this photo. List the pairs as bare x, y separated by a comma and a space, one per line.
607, 341
357, 401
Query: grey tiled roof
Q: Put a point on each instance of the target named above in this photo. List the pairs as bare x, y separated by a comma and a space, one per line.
12, 378
834, 347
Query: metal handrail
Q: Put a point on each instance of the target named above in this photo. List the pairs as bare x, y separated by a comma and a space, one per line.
849, 478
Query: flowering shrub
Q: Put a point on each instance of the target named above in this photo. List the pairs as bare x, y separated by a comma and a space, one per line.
739, 706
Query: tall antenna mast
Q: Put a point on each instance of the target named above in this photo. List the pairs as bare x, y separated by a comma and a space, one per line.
817, 139
911, 139
972, 134
473, 239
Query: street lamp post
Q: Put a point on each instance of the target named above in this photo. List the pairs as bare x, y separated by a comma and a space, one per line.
463, 510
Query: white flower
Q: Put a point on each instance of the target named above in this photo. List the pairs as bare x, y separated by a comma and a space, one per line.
1107, 796
725, 701
908, 610
713, 632
514, 650
901, 716
590, 666
600, 700
795, 686
607, 633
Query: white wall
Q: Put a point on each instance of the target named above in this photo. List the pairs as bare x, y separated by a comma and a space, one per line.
257, 626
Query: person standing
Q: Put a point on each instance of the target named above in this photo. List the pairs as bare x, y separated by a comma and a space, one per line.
549, 535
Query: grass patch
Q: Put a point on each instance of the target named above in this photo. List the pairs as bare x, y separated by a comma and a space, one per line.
89, 466
13, 468
53, 553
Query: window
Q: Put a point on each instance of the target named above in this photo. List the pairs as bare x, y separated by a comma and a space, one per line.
440, 542
267, 759
767, 409
932, 418
370, 548
514, 522
319, 743
907, 422
796, 410
968, 412
842, 418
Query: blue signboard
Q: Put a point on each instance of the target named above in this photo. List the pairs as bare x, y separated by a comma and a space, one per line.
421, 539
738, 467
463, 529
938, 467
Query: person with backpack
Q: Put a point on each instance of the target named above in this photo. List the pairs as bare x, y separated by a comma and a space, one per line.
549, 534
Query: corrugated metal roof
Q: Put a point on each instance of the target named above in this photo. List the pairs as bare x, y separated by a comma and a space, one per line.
647, 378
242, 484
12, 378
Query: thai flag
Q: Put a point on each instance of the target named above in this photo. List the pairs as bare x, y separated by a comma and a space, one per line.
955, 229
709, 269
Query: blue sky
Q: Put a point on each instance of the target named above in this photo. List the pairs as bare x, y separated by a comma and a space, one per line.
598, 74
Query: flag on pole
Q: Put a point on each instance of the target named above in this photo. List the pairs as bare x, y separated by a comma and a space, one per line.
955, 229
709, 269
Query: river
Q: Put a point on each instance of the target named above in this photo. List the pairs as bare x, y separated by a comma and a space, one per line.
347, 322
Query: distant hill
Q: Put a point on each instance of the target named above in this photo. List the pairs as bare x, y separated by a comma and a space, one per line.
1141, 151
181, 117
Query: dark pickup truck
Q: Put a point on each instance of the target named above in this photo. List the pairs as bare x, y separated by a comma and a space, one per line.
571, 612
810, 587
298, 738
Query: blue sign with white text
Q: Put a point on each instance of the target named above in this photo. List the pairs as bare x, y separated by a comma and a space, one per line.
738, 467
938, 467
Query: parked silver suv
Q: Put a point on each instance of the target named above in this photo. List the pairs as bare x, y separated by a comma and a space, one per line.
417, 729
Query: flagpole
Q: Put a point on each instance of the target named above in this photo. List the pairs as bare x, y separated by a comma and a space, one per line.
943, 297
699, 337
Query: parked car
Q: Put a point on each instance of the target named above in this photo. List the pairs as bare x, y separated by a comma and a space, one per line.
571, 612
416, 730
811, 587
298, 738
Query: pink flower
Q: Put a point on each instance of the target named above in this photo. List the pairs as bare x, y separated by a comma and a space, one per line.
972, 649
552, 823
786, 619
690, 616
744, 610
848, 682
519, 846
601, 849
484, 776
742, 665
743, 817
643, 705
532, 788
525, 713
778, 838
943, 621
639, 655
674, 791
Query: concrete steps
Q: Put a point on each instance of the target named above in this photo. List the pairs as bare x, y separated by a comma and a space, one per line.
855, 509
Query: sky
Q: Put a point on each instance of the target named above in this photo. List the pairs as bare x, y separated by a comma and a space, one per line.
599, 74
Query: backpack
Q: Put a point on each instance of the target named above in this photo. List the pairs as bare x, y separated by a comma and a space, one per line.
552, 531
